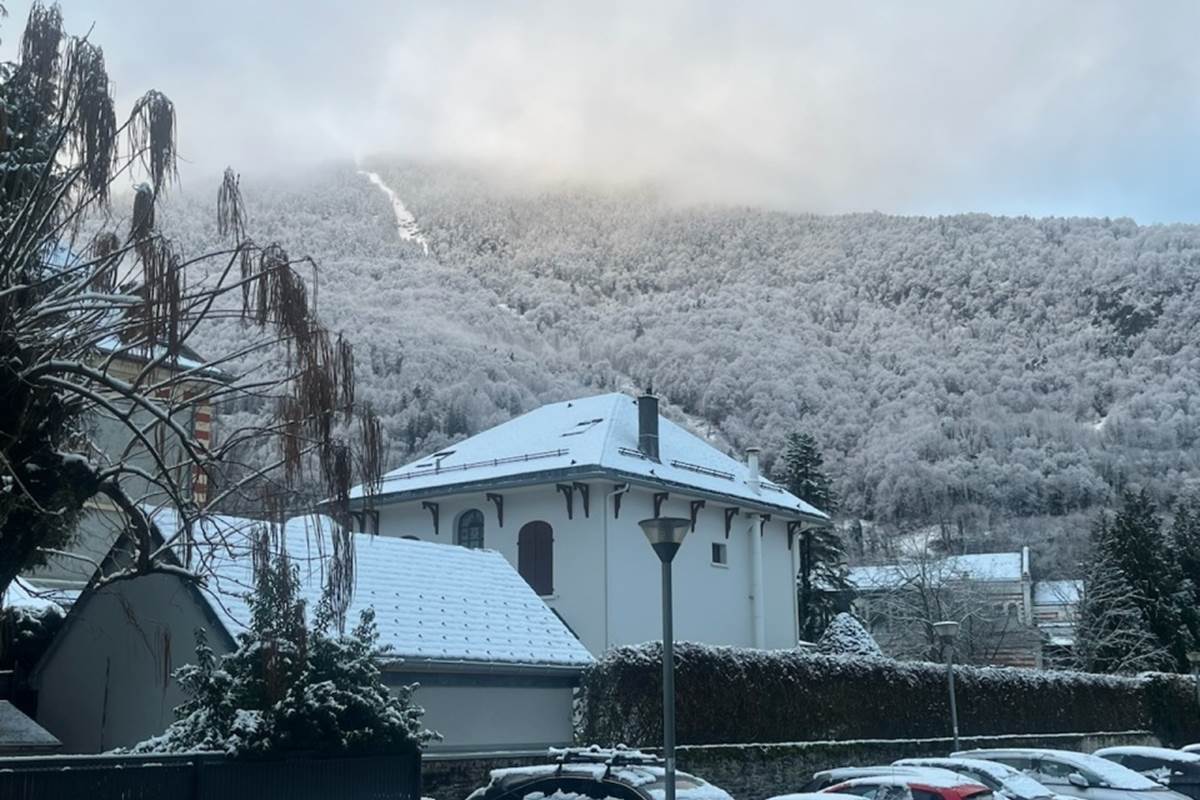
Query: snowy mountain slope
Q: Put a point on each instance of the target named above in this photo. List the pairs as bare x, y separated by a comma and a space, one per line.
952, 368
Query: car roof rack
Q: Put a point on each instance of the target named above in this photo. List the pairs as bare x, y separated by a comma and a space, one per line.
619, 756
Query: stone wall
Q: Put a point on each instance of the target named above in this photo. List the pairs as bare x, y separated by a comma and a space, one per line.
759, 771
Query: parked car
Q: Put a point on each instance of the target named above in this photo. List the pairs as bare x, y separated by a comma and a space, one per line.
1176, 769
914, 787
829, 777
815, 796
595, 772
1077, 774
1002, 779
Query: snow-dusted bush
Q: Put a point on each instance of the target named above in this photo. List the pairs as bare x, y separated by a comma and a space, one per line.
26, 632
845, 636
734, 695
290, 687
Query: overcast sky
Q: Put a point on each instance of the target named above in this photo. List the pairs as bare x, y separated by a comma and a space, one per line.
908, 107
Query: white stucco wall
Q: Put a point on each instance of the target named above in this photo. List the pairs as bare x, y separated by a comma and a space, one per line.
107, 683
500, 716
712, 603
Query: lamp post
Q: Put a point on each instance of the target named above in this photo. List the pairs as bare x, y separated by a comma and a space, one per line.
666, 535
1193, 658
947, 631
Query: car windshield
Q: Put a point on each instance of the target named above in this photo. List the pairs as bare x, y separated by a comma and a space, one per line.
1116, 776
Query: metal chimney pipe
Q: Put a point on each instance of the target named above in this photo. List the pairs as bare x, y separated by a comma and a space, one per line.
648, 425
752, 467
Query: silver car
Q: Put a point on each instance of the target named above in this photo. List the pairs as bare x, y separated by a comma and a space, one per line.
1000, 778
1084, 776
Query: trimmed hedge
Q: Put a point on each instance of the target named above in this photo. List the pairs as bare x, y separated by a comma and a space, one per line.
729, 695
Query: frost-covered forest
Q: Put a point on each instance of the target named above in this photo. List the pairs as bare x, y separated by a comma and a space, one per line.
994, 379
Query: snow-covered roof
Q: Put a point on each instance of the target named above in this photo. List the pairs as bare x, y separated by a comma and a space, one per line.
17, 595
985, 567
588, 436
1057, 593
432, 602
20, 734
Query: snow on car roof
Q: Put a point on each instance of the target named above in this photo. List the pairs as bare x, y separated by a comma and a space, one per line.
1161, 753
599, 433
1117, 776
940, 779
815, 796
849, 773
1013, 779
648, 778
432, 601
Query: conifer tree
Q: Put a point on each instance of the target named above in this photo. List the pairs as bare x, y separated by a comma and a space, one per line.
1134, 544
291, 686
822, 555
1185, 544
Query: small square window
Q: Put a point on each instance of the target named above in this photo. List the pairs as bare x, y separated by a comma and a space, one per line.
720, 554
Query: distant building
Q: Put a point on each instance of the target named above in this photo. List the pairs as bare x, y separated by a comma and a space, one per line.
497, 668
1015, 620
101, 525
559, 492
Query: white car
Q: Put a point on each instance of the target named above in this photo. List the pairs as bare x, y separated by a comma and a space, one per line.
1000, 778
620, 773
1077, 774
830, 777
1176, 769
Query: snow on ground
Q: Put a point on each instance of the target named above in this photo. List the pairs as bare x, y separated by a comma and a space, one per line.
406, 223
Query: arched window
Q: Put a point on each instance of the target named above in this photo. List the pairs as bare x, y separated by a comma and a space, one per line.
535, 557
469, 530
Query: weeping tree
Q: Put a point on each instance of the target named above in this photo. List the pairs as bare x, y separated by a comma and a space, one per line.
100, 313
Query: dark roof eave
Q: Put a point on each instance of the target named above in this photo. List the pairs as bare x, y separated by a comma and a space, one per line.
468, 667
584, 472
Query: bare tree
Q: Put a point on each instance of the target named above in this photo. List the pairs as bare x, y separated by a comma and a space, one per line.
106, 326
904, 600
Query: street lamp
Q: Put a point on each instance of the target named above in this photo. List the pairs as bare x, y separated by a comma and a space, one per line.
947, 631
1193, 658
666, 535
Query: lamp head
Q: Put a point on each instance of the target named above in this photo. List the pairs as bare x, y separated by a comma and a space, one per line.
666, 534
946, 630
1193, 658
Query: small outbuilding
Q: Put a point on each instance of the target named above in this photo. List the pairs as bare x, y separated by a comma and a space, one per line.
21, 736
496, 667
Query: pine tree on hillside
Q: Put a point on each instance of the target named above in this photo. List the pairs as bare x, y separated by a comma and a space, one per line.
1185, 543
822, 554
1135, 544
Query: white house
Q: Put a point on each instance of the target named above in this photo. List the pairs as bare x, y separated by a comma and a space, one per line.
559, 492
496, 668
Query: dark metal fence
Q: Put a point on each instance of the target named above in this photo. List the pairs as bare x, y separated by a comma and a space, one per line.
210, 777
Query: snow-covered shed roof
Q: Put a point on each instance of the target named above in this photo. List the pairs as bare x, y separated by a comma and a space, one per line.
21, 735
433, 602
983, 567
1057, 593
588, 437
